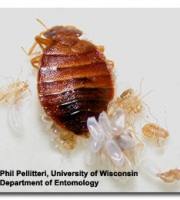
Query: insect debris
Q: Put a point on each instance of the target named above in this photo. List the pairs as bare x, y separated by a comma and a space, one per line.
11, 94
170, 176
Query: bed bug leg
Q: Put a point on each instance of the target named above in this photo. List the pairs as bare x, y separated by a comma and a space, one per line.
66, 139
30, 52
111, 64
100, 48
42, 41
38, 40
36, 61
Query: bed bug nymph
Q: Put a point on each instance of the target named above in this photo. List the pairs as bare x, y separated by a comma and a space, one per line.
155, 132
74, 78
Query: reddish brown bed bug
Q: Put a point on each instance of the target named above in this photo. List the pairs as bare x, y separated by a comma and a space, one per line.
75, 80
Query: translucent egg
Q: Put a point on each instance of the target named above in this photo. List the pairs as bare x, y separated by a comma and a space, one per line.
15, 119
114, 152
125, 141
118, 121
149, 167
90, 158
105, 123
95, 130
95, 146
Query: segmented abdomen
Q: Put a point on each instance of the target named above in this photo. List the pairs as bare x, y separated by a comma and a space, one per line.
74, 87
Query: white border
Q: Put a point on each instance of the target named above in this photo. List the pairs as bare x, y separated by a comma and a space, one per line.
90, 4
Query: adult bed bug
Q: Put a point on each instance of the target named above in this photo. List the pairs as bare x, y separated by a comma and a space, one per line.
75, 81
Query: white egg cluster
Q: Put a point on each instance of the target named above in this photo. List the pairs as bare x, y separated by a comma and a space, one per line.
110, 134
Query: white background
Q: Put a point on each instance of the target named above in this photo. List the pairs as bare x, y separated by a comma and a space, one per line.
143, 43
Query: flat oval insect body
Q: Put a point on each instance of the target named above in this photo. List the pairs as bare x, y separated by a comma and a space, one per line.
154, 132
74, 78
130, 102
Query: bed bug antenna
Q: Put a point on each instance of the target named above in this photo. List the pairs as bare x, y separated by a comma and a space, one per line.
140, 90
30, 52
20, 72
42, 23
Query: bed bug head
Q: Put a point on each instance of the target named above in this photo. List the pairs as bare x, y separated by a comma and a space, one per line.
58, 33
127, 93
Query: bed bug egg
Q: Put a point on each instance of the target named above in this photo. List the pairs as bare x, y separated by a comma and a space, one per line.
95, 145
91, 158
117, 121
15, 119
105, 124
95, 129
125, 141
75, 79
149, 167
114, 152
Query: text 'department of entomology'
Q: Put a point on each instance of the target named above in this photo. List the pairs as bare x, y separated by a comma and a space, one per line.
15, 178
